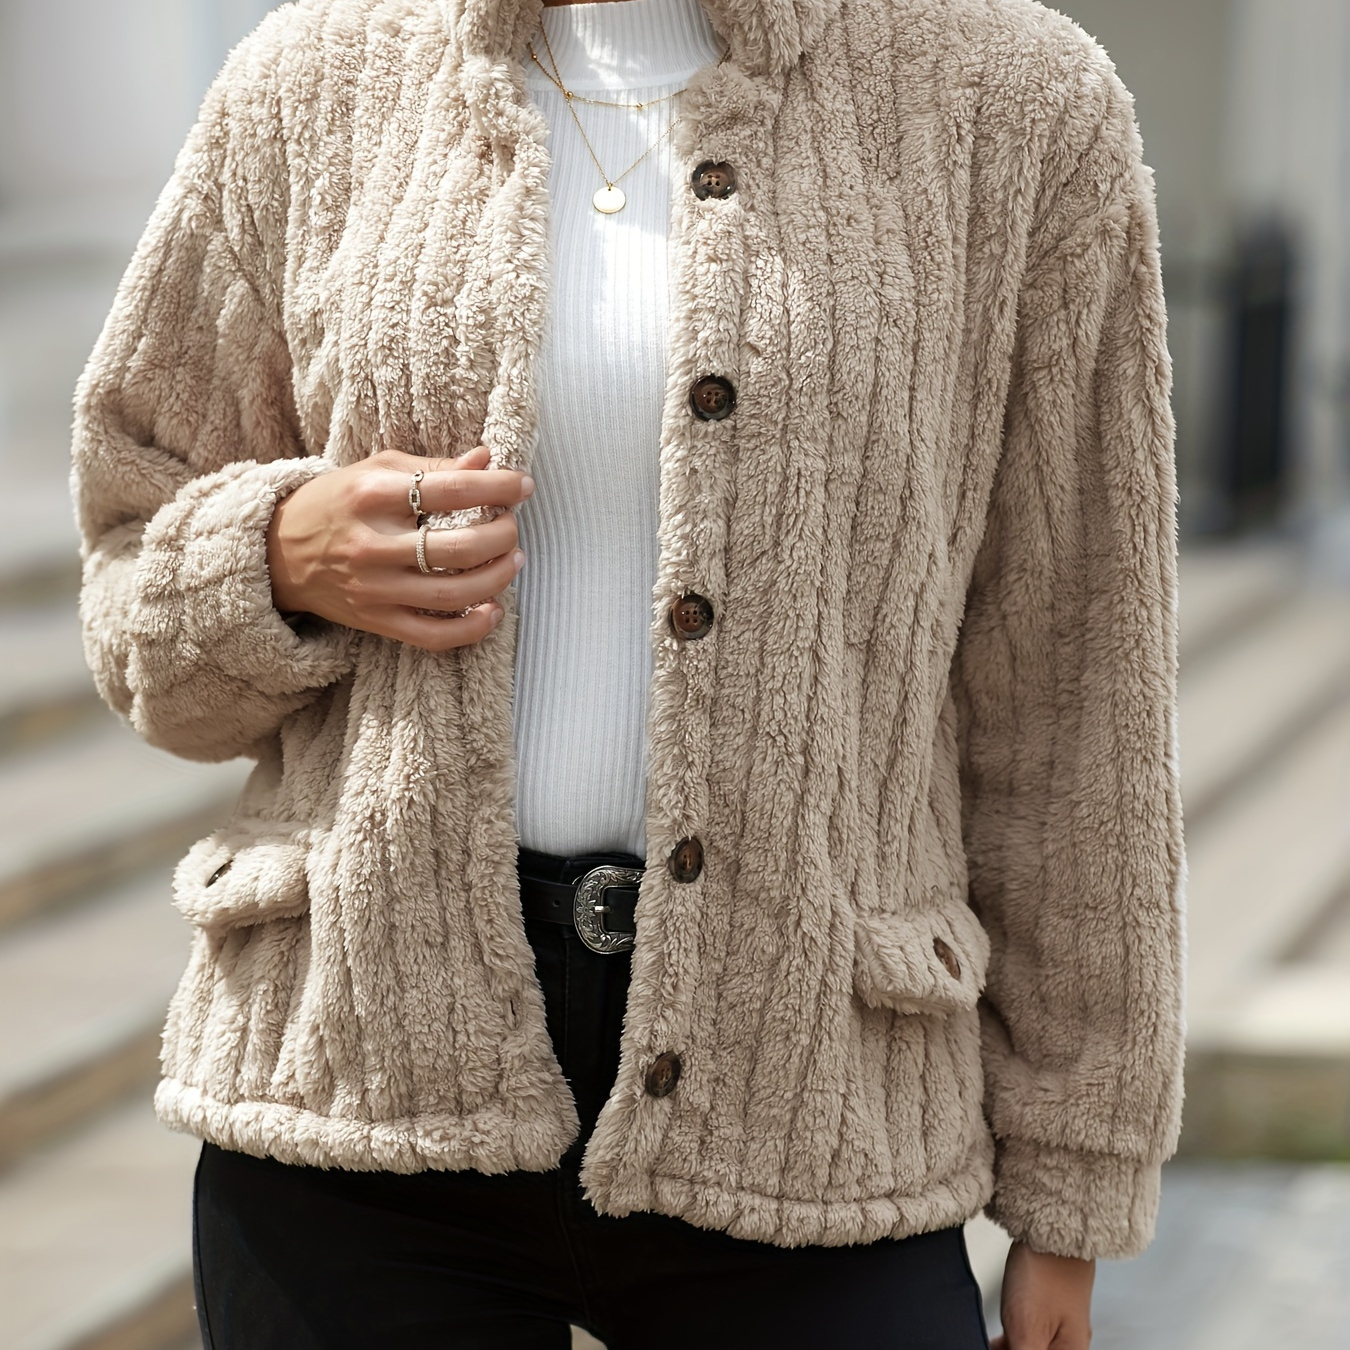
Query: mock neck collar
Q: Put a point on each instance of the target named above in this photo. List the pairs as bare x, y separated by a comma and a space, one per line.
625, 44
763, 37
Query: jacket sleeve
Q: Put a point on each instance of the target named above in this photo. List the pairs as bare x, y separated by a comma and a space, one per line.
1065, 685
185, 437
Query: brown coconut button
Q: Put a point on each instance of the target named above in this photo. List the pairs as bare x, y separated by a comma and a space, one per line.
220, 872
663, 1075
947, 957
691, 616
686, 860
712, 398
715, 179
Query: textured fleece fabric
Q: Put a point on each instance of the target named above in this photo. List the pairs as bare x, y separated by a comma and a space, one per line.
933, 959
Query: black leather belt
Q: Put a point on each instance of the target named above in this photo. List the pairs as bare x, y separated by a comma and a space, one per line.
600, 905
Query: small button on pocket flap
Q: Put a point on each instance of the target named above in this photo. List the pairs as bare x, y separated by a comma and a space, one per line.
244, 873
922, 961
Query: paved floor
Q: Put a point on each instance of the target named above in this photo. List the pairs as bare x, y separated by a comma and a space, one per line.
1251, 1256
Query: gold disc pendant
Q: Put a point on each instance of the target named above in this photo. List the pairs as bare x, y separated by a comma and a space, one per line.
608, 200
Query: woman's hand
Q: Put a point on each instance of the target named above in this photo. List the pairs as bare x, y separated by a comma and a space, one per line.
1046, 1301
344, 546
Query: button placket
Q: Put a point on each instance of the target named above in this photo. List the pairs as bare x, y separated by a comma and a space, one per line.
712, 398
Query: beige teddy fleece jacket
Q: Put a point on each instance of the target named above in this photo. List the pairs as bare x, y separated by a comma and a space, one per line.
932, 961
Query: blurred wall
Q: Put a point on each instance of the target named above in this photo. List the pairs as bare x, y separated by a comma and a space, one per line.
1174, 55
95, 99
1288, 157
1245, 111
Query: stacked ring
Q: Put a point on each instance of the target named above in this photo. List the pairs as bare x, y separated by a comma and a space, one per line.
423, 526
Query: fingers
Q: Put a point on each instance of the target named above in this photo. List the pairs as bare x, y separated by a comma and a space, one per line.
441, 634
456, 484
462, 488
460, 549
463, 589
484, 560
447, 484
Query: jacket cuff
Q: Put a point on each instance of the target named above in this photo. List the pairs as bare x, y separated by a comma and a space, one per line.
1071, 1203
210, 649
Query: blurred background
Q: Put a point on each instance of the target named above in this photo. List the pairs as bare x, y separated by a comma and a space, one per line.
1245, 109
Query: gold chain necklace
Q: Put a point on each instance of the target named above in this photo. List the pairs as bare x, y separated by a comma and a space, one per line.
610, 198
573, 96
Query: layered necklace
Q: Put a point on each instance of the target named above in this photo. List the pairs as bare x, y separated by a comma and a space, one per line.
610, 197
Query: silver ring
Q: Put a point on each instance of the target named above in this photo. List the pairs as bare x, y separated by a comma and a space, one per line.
415, 493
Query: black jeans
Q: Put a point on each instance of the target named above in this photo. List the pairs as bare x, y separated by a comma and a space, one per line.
299, 1258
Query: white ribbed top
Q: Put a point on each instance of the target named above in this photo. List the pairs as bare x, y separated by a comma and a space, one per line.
583, 664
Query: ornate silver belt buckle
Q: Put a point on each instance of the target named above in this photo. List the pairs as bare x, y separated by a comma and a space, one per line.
589, 908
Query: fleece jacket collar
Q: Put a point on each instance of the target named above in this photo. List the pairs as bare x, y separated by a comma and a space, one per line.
764, 37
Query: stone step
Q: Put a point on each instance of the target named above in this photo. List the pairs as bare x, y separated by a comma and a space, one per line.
45, 687
95, 1239
1242, 706
1272, 1078
150, 1313
50, 577
85, 811
82, 1000
1287, 1100
1227, 588
1265, 764
1264, 870
1268, 1068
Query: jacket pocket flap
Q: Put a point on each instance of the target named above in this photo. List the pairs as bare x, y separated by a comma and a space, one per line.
243, 873
932, 960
